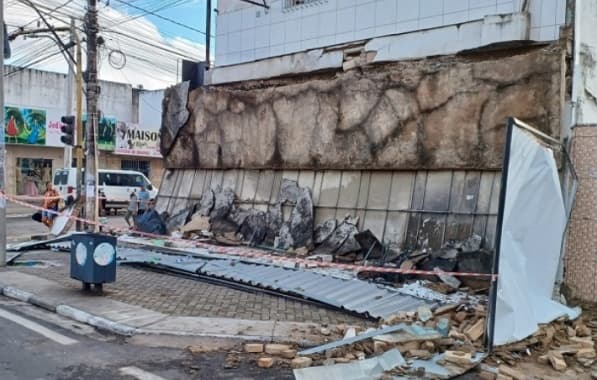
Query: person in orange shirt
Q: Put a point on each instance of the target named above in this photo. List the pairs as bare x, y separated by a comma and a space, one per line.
50, 202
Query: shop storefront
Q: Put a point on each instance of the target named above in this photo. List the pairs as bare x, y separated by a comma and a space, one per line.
33, 149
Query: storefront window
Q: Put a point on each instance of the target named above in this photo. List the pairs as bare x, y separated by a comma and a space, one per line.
137, 165
32, 174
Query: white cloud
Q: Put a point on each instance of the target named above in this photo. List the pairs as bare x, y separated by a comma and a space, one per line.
152, 60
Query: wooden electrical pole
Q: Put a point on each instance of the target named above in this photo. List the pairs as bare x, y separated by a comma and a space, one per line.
93, 91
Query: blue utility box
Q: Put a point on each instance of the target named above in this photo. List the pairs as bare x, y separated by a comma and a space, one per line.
93, 259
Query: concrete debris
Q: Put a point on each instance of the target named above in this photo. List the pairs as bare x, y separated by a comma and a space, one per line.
341, 241
254, 348
223, 203
371, 368
324, 230
254, 227
276, 349
175, 115
198, 223
301, 362
265, 362
370, 245
290, 192
206, 204
298, 230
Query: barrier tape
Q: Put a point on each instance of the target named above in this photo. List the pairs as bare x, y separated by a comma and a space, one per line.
253, 253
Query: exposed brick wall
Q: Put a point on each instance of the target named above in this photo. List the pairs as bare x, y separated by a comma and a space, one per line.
581, 245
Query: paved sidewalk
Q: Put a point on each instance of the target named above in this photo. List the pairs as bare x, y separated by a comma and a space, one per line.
175, 296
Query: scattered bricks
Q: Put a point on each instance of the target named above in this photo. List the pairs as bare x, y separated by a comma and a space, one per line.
586, 362
484, 375
288, 354
265, 362
458, 357
408, 346
582, 330
455, 334
511, 372
429, 346
586, 353
583, 342
360, 355
325, 331
342, 360
393, 319
503, 377
557, 360
460, 316
350, 356
334, 352
570, 331
254, 348
341, 328
445, 309
196, 350
379, 347
276, 349
476, 330
543, 359
421, 354
301, 362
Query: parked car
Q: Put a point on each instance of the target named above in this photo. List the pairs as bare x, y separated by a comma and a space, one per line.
114, 188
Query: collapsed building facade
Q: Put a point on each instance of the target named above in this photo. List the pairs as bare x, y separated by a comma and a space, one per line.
396, 128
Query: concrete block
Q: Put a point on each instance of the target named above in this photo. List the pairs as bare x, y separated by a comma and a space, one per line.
276, 349
301, 362
265, 362
254, 348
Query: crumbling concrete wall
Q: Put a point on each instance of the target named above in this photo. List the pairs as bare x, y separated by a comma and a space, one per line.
410, 209
580, 259
436, 113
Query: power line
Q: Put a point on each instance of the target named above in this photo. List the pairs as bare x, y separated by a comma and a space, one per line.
162, 17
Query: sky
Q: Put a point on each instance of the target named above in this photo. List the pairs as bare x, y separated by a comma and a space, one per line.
147, 50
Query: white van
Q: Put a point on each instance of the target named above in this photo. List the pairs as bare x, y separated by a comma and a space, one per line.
115, 185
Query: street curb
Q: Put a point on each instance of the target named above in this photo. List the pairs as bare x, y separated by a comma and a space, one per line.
68, 311
95, 321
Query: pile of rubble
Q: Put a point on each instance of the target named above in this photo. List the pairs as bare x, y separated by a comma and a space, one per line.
217, 216
439, 344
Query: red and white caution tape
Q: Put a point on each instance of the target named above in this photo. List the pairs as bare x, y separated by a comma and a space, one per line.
254, 253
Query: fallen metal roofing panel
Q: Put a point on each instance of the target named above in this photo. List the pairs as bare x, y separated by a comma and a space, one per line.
353, 295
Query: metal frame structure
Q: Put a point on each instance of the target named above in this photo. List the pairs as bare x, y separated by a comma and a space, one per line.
568, 203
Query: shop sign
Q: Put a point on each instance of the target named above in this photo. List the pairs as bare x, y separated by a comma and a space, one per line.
133, 140
24, 126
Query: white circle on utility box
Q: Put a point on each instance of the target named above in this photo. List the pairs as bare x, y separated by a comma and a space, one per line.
104, 254
81, 254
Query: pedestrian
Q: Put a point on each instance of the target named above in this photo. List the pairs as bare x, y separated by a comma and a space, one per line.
133, 209
143, 200
49, 205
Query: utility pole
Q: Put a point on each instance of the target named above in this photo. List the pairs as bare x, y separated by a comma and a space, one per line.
2, 147
68, 151
208, 33
93, 90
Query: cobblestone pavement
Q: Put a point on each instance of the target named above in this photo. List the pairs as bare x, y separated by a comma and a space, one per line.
186, 297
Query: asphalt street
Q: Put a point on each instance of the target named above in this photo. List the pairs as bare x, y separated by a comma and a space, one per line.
37, 344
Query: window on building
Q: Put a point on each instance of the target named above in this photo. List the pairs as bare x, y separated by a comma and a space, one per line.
138, 165
32, 174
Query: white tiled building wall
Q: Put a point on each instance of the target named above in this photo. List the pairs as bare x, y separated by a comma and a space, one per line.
247, 32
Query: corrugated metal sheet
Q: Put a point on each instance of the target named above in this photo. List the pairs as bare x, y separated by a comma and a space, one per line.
354, 295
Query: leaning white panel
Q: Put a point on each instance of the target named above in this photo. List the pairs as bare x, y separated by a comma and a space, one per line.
533, 228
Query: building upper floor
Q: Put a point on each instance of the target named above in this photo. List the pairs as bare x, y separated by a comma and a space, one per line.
248, 32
